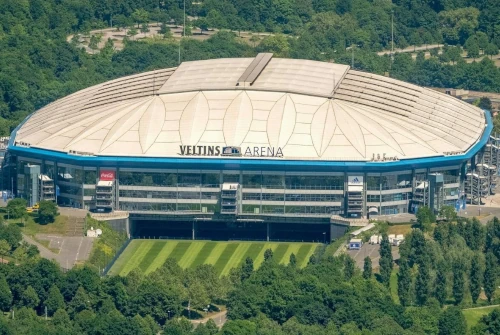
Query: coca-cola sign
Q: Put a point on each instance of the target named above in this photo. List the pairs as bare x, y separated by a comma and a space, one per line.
107, 175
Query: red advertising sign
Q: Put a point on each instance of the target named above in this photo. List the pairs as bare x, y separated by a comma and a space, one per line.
107, 175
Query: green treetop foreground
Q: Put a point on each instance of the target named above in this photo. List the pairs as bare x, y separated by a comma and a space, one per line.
453, 263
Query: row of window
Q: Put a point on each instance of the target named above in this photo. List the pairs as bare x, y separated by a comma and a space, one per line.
388, 197
292, 197
168, 207
168, 195
272, 209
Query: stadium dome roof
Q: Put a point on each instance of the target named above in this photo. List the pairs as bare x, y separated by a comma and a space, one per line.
309, 109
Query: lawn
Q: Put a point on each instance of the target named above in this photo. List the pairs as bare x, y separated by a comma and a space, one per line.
148, 255
472, 315
399, 229
31, 228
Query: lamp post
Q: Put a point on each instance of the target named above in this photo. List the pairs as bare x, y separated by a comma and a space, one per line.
324, 237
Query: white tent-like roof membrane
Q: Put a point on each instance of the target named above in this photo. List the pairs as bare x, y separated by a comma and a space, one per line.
310, 109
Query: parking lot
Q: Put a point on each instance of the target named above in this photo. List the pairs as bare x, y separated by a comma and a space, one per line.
372, 251
72, 249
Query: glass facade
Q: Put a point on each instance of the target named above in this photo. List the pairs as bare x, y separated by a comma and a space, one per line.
260, 192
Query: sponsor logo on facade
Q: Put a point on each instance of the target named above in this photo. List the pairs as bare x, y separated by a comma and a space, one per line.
107, 175
214, 150
355, 180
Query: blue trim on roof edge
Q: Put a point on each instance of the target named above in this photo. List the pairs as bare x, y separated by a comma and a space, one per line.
251, 164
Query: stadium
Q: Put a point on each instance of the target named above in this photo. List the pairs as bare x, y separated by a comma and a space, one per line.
254, 148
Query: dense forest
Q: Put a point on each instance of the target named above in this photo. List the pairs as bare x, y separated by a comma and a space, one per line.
37, 65
443, 268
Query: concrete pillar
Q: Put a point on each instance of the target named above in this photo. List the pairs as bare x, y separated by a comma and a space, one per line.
192, 231
267, 239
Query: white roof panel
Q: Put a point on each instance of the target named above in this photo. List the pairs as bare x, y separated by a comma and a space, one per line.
284, 103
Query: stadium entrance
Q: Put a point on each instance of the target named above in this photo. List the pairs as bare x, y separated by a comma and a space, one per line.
239, 229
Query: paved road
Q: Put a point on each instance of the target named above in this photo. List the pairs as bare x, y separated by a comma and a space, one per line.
372, 251
72, 249
410, 49
219, 318
73, 212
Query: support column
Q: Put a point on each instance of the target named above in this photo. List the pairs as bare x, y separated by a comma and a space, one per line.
192, 232
267, 223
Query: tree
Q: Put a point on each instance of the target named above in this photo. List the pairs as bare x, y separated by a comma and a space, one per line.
54, 301
16, 208
475, 278
458, 282
29, 298
473, 50
247, 269
491, 50
277, 44
20, 254
47, 212
474, 234
349, 267
61, 318
490, 275
202, 24
422, 283
385, 260
94, 43
268, 255
425, 217
488, 324
5, 295
255, 39
197, 295
415, 40
144, 28
452, 322
427, 38
293, 260
132, 32
157, 299
485, 103
140, 16
448, 212
367, 268
164, 28
404, 282
4, 248
441, 284
188, 31
80, 302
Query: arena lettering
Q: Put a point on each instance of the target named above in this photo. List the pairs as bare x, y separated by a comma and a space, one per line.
199, 150
264, 152
212, 150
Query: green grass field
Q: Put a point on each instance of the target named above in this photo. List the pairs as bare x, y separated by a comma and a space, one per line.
148, 255
472, 315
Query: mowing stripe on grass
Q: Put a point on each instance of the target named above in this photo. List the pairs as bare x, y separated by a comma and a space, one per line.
302, 255
292, 249
236, 258
253, 251
180, 250
137, 257
260, 257
162, 256
280, 252
225, 256
124, 257
204, 253
151, 255
191, 253
215, 254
